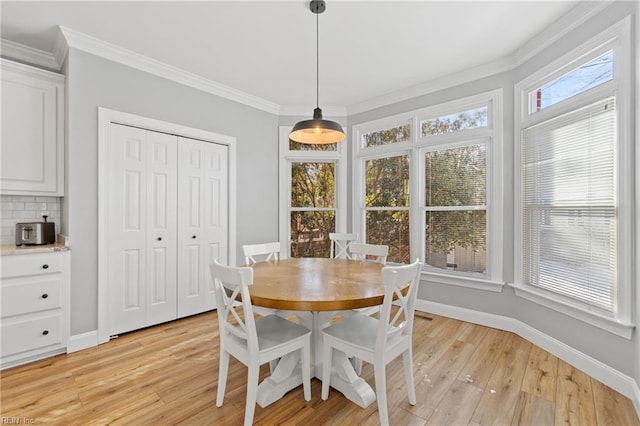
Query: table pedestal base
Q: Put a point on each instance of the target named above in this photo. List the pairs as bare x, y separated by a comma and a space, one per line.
288, 375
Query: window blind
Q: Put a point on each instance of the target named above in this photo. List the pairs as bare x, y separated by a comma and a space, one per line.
569, 205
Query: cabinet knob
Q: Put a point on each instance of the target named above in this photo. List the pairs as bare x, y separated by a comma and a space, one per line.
193, 236
159, 238
45, 266
44, 296
44, 333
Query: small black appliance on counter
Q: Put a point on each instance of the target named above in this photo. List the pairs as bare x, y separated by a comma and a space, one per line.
35, 233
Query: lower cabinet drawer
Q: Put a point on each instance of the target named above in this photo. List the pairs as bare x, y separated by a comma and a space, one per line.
28, 295
30, 264
31, 332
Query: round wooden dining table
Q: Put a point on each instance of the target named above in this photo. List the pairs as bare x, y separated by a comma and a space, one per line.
318, 290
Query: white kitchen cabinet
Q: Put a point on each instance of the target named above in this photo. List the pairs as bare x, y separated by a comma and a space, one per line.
32, 131
167, 213
34, 320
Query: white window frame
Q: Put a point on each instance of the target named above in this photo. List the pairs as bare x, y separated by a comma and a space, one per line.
286, 158
416, 148
616, 38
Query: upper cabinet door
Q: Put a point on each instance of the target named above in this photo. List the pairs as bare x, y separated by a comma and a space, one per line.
32, 131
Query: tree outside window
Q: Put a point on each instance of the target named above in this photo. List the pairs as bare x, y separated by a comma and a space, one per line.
313, 201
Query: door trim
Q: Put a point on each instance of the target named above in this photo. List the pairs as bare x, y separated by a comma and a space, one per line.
106, 117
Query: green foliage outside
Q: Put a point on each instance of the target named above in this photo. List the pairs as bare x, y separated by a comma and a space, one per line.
312, 186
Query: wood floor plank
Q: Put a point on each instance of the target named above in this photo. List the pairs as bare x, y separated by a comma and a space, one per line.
436, 381
481, 365
574, 397
168, 375
540, 376
611, 407
533, 410
498, 402
457, 406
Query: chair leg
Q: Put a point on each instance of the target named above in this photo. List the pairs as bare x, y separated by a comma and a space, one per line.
306, 369
252, 391
222, 376
357, 365
407, 359
327, 353
381, 392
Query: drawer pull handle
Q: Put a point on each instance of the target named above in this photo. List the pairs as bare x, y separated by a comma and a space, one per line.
193, 236
44, 296
159, 238
45, 266
44, 333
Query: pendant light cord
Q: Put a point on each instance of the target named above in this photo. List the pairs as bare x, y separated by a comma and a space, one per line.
317, 61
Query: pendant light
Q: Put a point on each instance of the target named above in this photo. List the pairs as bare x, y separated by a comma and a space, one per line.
317, 130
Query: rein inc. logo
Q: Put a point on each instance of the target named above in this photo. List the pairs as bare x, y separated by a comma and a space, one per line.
17, 421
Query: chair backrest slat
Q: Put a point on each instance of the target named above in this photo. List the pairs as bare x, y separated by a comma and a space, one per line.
340, 243
395, 280
271, 251
362, 251
233, 302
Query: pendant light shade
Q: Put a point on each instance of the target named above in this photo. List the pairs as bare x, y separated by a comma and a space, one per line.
317, 130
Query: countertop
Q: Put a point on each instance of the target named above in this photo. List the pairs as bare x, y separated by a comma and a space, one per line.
12, 249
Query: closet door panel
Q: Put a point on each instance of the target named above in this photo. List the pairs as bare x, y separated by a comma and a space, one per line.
216, 210
202, 221
161, 227
142, 226
191, 173
127, 227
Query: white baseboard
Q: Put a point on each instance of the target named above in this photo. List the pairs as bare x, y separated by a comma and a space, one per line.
82, 341
611, 377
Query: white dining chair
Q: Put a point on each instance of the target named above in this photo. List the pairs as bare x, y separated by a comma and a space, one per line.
369, 252
253, 341
340, 243
379, 340
261, 252
264, 252
376, 253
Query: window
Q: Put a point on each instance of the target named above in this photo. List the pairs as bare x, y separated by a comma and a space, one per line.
573, 173
455, 208
313, 208
585, 77
312, 196
568, 204
400, 133
432, 189
387, 205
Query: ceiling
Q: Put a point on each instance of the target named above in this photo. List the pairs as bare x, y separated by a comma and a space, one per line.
267, 48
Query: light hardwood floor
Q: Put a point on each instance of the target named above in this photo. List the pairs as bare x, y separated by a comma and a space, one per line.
167, 374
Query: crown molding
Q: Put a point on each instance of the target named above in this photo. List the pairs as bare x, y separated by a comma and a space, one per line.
450, 80
26, 54
577, 16
304, 111
78, 40
60, 48
565, 24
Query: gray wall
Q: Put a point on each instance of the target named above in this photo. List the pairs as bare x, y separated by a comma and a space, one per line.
617, 352
94, 82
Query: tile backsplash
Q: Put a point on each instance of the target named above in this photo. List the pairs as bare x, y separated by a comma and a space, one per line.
19, 208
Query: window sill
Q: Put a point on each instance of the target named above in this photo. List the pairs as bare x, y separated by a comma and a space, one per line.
463, 281
574, 310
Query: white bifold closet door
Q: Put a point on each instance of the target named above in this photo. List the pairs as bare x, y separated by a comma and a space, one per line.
202, 221
168, 204
142, 228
